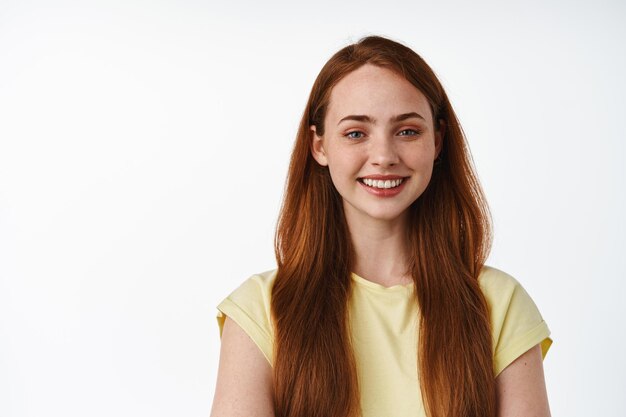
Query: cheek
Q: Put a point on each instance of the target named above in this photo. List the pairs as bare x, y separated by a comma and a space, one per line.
417, 157
423, 166
342, 163
423, 156
343, 174
339, 174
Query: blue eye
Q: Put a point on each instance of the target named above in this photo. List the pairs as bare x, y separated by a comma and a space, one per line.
354, 135
408, 132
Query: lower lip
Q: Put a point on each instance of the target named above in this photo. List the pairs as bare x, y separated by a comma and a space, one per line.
384, 192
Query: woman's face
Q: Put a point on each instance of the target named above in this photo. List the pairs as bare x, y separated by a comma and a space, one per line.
379, 144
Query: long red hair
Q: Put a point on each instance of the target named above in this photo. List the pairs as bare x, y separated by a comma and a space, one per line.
449, 234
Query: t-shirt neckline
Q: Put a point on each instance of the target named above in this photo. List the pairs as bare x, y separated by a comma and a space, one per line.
379, 287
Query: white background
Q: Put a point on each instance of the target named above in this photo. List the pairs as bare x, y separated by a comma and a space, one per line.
143, 151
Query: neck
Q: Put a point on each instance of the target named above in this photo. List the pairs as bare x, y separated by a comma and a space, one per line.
380, 249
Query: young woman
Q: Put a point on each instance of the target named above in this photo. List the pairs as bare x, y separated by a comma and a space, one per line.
381, 304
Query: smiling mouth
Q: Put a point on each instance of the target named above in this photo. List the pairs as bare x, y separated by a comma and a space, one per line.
381, 184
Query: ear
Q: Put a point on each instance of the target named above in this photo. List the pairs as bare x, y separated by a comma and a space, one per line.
440, 133
317, 147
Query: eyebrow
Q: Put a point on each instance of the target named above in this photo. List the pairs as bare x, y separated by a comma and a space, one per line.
364, 118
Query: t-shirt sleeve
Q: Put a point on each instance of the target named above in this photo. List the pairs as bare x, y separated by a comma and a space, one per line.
249, 307
517, 324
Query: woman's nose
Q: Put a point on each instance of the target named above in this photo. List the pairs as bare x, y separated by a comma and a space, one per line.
383, 152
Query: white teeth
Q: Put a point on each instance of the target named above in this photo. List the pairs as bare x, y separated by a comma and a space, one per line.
381, 183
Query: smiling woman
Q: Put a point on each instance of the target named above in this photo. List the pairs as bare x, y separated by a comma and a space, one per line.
381, 304
375, 133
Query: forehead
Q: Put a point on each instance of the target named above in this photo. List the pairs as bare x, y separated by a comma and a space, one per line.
378, 92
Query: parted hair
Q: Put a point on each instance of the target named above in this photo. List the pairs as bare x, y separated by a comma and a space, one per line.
449, 235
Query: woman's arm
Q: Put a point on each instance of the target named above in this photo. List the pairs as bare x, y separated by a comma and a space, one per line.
521, 387
244, 378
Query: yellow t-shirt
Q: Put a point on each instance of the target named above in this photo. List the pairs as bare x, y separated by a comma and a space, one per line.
384, 323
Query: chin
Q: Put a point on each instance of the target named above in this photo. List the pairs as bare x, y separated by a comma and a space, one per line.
384, 213
388, 216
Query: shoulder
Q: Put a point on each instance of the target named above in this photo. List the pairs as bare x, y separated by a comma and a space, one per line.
249, 305
501, 290
494, 280
516, 321
258, 285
